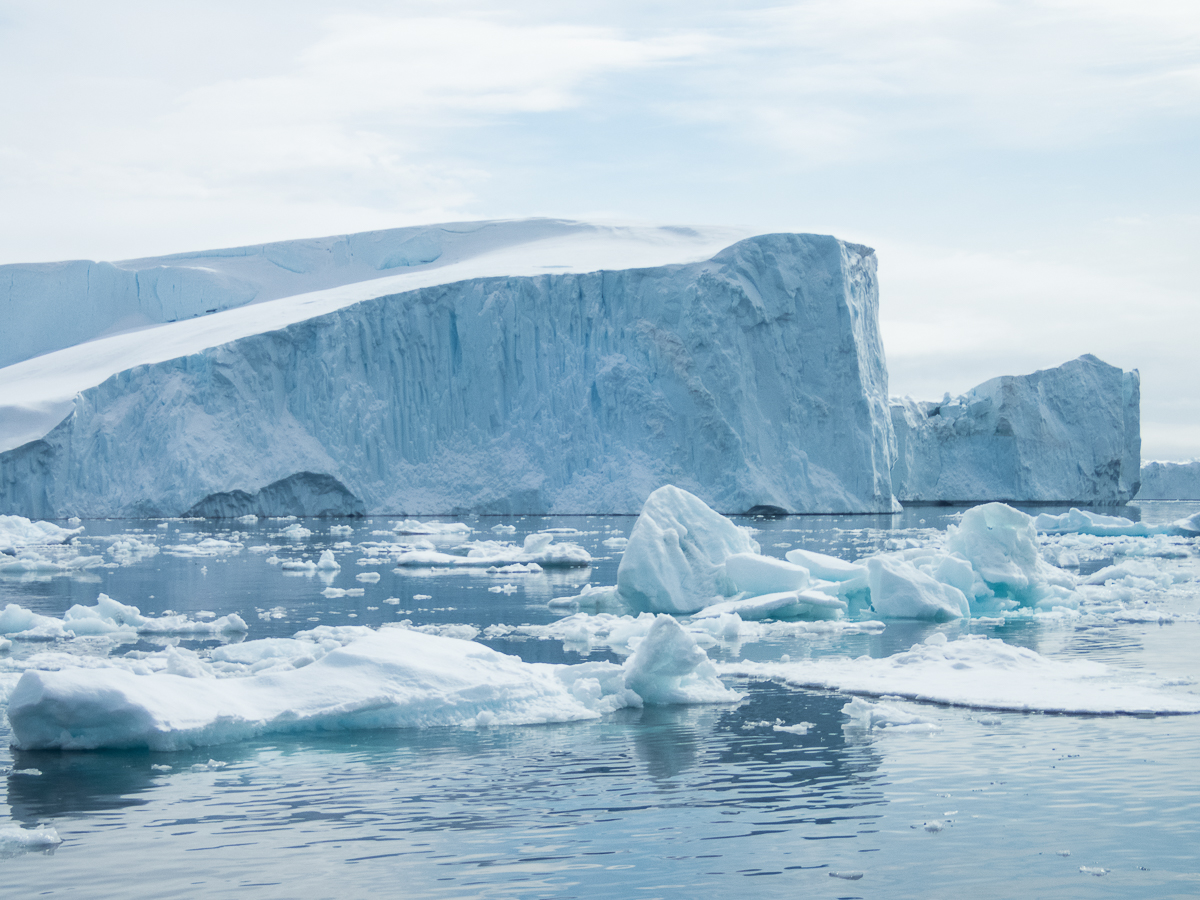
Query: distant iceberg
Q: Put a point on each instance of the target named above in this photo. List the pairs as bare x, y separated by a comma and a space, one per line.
1069, 434
753, 377
1170, 481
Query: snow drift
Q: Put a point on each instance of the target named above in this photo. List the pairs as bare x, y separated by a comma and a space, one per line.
755, 377
1068, 434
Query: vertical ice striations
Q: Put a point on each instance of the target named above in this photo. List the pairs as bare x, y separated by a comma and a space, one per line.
1170, 481
756, 377
1069, 434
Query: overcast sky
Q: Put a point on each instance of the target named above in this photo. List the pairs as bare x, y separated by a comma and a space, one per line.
1027, 171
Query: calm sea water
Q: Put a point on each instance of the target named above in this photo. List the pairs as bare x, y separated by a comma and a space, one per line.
674, 802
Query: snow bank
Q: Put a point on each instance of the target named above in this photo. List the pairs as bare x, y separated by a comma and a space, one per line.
387, 679
753, 377
1068, 434
980, 672
538, 549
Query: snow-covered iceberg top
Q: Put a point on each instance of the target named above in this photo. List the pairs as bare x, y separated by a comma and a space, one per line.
391, 678
167, 307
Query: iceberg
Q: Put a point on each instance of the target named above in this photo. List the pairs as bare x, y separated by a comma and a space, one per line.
1170, 481
1069, 434
501, 383
392, 678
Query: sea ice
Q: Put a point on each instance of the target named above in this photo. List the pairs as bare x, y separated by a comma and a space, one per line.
983, 673
395, 677
538, 548
18, 532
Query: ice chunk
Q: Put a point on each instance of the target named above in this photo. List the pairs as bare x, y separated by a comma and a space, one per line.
1001, 545
395, 677
754, 574
827, 568
327, 563
899, 590
781, 605
668, 668
18, 532
538, 548
412, 526
109, 616
868, 715
675, 559
14, 840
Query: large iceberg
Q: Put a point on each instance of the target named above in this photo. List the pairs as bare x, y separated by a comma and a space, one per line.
752, 377
1170, 481
1067, 434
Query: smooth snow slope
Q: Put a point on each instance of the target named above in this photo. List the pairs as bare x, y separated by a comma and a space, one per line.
48, 306
1067, 434
754, 377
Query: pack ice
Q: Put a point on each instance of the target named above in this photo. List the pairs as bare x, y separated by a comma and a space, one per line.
1070, 434
555, 368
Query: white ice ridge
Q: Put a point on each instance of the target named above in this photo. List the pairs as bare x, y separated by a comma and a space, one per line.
1070, 434
1170, 480
387, 679
555, 376
983, 673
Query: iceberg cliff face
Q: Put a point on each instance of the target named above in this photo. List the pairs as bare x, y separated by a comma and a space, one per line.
755, 377
1170, 481
1068, 434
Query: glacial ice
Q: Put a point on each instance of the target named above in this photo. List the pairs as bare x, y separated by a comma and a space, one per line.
899, 590
395, 677
1170, 480
1068, 434
753, 377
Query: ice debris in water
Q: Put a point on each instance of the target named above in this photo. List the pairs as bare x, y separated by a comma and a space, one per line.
1079, 521
865, 714
108, 617
538, 548
980, 672
412, 526
327, 563
351, 678
18, 532
15, 840
684, 558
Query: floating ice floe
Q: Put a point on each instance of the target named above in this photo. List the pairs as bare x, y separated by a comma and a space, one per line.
15, 840
984, 673
108, 617
1079, 521
18, 532
412, 526
538, 548
391, 678
206, 548
868, 715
